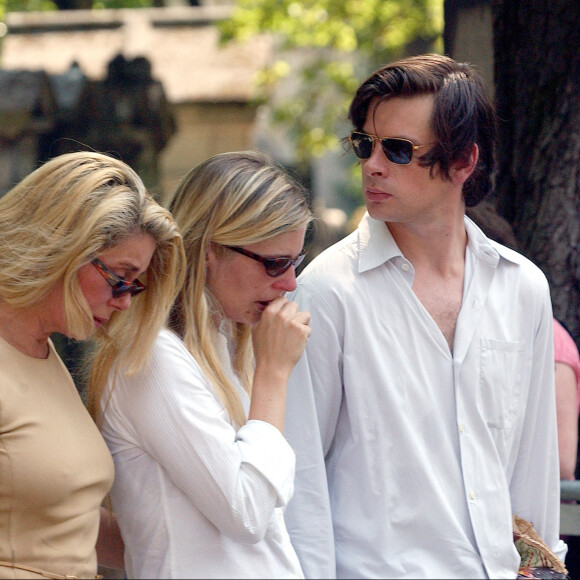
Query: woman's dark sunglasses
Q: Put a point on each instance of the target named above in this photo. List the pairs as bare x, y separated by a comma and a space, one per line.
399, 151
274, 266
119, 285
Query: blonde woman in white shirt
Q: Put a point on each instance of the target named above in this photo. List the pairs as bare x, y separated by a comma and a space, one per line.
203, 471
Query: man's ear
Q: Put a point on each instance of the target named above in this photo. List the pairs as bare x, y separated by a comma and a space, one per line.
461, 170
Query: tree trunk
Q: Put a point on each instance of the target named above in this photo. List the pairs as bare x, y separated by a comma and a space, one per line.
537, 79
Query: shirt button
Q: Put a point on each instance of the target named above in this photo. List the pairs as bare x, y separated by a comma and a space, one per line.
405, 267
461, 427
475, 303
472, 494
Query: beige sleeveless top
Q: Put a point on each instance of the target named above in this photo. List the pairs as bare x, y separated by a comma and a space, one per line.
55, 468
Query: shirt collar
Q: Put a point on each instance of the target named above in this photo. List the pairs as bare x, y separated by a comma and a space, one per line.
486, 249
377, 246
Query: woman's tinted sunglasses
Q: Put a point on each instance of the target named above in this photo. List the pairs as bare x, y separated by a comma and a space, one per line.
399, 151
119, 285
274, 266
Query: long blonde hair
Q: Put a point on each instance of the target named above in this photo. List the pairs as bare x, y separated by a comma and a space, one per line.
62, 216
230, 199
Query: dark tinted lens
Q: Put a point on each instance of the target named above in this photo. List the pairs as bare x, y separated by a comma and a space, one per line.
277, 267
362, 145
123, 288
398, 150
120, 289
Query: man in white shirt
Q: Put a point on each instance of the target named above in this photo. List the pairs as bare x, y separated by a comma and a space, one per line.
423, 410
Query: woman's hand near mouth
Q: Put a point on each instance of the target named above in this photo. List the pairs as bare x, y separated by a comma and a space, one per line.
279, 339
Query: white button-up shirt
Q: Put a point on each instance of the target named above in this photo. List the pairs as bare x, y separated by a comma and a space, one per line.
411, 459
194, 497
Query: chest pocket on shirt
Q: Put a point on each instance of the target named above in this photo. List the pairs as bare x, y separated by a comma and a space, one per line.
501, 376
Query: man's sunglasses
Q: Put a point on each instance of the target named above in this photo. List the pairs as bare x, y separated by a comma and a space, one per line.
274, 266
119, 285
399, 151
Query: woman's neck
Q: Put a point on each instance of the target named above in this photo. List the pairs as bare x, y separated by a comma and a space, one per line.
23, 329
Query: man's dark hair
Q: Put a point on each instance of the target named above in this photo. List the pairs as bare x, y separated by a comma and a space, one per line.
462, 114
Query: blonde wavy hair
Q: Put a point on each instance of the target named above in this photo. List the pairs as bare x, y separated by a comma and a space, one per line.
233, 199
62, 216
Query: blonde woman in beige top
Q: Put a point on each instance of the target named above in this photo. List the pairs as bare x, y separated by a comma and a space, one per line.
80, 238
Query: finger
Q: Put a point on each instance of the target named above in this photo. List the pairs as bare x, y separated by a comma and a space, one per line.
276, 304
302, 317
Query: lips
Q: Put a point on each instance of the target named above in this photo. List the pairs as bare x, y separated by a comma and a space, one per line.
99, 322
376, 195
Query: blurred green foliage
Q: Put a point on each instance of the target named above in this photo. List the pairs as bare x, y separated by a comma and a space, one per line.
27, 5
97, 4
345, 40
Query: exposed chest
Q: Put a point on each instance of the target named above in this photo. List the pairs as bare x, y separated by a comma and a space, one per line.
442, 300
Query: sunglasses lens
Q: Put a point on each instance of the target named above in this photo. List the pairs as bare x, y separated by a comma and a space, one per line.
120, 290
398, 150
362, 145
276, 268
124, 288
137, 290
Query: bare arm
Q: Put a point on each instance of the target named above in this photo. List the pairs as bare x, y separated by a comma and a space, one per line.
279, 340
567, 417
